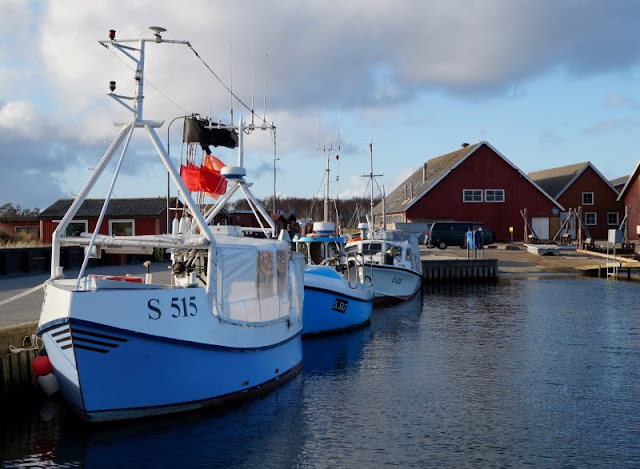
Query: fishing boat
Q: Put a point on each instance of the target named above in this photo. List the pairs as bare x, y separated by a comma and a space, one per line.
226, 326
390, 258
335, 297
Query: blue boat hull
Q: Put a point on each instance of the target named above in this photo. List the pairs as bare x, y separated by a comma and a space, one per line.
328, 311
122, 375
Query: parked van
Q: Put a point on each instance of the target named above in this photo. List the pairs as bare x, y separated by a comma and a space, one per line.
454, 233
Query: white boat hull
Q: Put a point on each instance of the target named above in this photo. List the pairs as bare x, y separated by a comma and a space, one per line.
121, 354
391, 283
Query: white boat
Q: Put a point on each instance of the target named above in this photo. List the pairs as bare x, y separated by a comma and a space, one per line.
391, 258
227, 326
391, 262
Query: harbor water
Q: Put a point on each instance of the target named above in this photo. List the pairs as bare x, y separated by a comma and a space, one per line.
533, 370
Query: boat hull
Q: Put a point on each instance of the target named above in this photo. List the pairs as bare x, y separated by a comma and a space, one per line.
391, 283
331, 305
111, 373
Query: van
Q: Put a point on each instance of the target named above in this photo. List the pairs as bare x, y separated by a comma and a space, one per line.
454, 233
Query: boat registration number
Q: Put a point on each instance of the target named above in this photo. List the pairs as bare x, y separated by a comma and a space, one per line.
340, 305
179, 307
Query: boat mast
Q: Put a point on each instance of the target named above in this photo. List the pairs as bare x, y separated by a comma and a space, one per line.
371, 177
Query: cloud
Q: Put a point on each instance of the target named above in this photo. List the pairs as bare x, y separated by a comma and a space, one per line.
366, 57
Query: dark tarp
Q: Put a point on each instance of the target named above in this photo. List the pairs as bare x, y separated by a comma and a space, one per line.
196, 131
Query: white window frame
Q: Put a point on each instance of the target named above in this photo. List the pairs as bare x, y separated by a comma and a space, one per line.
84, 222
593, 198
617, 215
495, 193
595, 218
473, 192
122, 220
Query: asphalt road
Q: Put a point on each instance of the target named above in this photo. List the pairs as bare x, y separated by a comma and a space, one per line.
27, 308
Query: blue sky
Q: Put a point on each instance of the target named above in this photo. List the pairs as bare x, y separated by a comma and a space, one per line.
547, 83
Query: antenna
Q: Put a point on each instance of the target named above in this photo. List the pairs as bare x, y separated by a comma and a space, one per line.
230, 84
266, 62
156, 32
253, 85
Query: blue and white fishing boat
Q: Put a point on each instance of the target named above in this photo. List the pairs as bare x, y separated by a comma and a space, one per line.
227, 325
335, 298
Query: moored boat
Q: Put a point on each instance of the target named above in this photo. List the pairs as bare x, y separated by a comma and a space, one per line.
390, 258
227, 325
336, 298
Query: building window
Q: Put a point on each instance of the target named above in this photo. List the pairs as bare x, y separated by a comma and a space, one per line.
121, 228
587, 198
75, 227
612, 218
472, 195
494, 195
591, 218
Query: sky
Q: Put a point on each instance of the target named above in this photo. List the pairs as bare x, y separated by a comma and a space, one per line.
548, 83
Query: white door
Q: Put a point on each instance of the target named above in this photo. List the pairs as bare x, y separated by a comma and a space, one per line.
541, 227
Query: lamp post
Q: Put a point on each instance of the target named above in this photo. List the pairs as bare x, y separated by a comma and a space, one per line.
168, 176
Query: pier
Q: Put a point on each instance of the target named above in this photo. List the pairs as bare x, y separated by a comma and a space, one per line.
16, 353
458, 270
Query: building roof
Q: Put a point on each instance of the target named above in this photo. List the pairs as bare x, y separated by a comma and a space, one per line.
431, 173
556, 181
631, 178
118, 208
621, 181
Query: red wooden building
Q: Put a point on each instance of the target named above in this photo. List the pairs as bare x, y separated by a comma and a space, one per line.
474, 183
124, 217
16, 225
630, 198
582, 185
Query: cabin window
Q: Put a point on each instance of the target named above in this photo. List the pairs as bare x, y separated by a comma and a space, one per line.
282, 258
591, 218
121, 228
612, 218
472, 195
494, 195
265, 274
587, 198
76, 227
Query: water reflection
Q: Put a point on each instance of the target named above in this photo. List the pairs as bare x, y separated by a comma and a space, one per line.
539, 371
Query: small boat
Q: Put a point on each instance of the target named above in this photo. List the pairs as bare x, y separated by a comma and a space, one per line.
226, 326
390, 261
390, 258
335, 297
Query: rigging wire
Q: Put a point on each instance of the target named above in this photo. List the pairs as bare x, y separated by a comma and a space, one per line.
248, 108
146, 80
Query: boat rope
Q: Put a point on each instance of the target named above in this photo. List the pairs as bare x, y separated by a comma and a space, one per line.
36, 343
20, 295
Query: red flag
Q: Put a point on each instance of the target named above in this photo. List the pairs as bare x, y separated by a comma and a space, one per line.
212, 182
191, 176
213, 163
203, 179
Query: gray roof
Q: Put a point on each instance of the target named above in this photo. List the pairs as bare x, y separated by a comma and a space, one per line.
118, 208
555, 181
621, 181
428, 175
